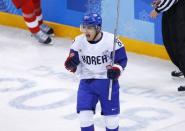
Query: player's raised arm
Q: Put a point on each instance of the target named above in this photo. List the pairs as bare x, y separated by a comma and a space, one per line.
120, 54
120, 62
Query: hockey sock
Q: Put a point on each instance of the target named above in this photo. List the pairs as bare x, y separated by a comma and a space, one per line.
90, 128
30, 17
112, 129
38, 11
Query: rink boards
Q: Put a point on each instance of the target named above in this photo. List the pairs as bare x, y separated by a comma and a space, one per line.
141, 34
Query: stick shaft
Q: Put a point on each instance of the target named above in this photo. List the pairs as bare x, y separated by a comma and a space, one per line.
114, 46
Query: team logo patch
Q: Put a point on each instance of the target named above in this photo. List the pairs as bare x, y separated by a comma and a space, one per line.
107, 53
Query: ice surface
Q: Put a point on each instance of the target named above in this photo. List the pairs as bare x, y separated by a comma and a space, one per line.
38, 94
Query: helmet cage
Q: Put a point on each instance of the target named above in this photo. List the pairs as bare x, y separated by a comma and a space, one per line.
85, 27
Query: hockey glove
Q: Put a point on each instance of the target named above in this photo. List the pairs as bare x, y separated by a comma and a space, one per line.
113, 72
71, 63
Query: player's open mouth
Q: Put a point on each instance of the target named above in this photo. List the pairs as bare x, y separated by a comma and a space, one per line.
88, 35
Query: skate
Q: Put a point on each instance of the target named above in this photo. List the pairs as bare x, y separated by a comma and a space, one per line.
42, 37
177, 74
181, 88
47, 30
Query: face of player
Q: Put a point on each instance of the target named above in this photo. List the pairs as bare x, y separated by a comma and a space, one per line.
90, 32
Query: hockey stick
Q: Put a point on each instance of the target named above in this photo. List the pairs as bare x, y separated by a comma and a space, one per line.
114, 46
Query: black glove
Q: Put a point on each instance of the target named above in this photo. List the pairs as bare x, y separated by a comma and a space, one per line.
71, 63
113, 72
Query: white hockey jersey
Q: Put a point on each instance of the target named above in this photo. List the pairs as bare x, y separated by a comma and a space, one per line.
94, 58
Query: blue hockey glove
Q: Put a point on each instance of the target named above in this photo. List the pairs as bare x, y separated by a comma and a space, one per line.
113, 72
71, 63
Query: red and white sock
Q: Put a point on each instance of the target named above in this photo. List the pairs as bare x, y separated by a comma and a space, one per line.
30, 16
38, 11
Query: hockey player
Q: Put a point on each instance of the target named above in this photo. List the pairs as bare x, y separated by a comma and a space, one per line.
90, 57
32, 13
173, 29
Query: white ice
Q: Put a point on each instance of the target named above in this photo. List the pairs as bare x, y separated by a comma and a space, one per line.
38, 94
